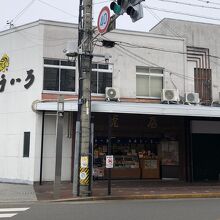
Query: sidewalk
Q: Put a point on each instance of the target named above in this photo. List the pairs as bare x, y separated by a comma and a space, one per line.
121, 189
17, 193
135, 189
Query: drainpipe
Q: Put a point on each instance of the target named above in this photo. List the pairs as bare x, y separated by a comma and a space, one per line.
42, 147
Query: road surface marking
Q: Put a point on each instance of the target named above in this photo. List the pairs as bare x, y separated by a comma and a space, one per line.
7, 211
7, 215
13, 209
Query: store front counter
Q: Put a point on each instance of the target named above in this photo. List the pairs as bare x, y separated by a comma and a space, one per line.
150, 168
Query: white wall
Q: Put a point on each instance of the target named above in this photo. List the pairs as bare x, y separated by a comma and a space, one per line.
124, 74
126, 59
50, 149
197, 34
24, 48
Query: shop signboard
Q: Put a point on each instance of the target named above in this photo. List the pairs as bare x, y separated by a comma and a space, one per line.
109, 161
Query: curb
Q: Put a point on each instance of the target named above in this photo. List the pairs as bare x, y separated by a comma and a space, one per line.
140, 197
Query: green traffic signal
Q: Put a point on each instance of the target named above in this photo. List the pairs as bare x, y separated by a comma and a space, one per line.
116, 8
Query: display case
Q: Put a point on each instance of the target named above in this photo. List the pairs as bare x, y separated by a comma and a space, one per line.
126, 161
126, 167
150, 168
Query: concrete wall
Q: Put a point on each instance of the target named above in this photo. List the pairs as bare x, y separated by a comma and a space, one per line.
197, 35
24, 47
125, 59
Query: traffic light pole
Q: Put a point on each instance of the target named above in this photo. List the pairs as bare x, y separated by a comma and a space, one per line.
85, 156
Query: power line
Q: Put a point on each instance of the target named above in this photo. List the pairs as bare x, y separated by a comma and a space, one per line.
132, 45
190, 4
59, 9
21, 13
181, 13
209, 2
145, 61
168, 27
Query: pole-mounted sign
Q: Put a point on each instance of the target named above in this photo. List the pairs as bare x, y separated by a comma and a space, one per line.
103, 20
109, 161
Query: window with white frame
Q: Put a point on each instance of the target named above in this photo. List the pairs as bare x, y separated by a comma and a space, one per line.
59, 75
149, 81
101, 77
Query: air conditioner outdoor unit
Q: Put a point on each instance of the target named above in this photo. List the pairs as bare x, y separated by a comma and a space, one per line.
112, 94
192, 97
170, 95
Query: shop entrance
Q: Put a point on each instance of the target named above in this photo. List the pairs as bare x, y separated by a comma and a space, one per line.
143, 146
206, 154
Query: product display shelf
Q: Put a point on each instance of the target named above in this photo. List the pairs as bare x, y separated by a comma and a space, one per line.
126, 166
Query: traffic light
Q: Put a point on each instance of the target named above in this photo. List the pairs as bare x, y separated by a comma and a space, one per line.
135, 10
116, 7
120, 7
132, 7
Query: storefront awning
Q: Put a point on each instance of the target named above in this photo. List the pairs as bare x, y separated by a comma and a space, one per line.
137, 108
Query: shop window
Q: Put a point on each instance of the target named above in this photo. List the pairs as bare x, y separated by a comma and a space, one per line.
26, 147
101, 77
59, 75
149, 82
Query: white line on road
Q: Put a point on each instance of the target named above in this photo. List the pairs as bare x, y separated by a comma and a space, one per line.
13, 209
6, 215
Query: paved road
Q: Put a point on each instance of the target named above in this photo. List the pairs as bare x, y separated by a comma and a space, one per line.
193, 209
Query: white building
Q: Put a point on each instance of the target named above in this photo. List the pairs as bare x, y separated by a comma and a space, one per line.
140, 67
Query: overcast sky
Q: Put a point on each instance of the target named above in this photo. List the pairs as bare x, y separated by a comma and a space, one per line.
25, 11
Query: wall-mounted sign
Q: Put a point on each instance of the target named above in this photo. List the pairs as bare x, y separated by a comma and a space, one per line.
4, 64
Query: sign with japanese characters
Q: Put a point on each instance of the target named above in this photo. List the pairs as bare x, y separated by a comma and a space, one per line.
84, 162
109, 161
6, 80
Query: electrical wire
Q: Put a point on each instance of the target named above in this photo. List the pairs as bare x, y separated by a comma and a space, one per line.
52, 6
132, 45
163, 24
181, 13
190, 4
147, 62
171, 30
208, 2
21, 12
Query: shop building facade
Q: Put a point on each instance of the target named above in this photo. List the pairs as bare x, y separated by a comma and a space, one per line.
150, 139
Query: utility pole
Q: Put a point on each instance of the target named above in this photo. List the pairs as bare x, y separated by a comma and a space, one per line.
59, 146
85, 156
